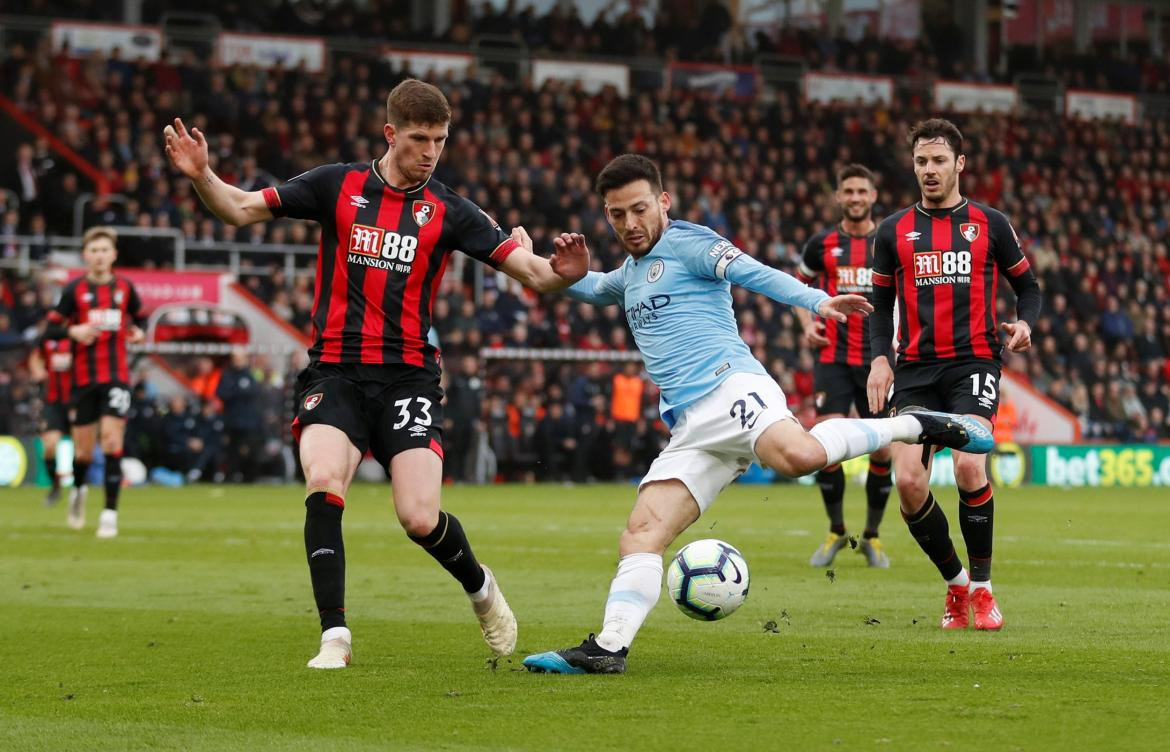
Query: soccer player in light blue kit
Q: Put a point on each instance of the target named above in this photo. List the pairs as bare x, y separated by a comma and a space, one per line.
723, 409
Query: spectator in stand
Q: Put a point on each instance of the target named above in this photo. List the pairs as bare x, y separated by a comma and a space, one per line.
241, 395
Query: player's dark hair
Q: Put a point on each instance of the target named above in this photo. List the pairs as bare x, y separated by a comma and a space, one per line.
417, 103
626, 169
855, 170
928, 130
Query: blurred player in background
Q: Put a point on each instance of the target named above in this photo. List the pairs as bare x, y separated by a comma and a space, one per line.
839, 260
51, 364
941, 259
723, 408
372, 383
101, 312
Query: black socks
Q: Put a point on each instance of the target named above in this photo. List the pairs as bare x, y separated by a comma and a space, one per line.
929, 527
448, 544
326, 555
877, 492
976, 520
113, 480
832, 483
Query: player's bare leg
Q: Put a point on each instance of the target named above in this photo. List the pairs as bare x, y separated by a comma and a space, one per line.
84, 441
112, 431
417, 476
664, 509
928, 525
976, 520
50, 440
329, 461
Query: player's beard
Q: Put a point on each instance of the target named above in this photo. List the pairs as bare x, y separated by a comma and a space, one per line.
858, 215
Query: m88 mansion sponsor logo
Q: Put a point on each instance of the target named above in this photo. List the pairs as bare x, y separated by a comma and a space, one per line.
381, 249
854, 279
942, 268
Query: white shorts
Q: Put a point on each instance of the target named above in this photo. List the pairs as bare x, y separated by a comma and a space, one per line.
714, 440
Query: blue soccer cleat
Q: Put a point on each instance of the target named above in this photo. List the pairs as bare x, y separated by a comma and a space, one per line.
586, 658
958, 432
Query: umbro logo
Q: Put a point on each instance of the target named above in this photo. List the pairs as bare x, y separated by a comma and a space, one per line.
360, 202
837, 251
417, 431
913, 235
321, 552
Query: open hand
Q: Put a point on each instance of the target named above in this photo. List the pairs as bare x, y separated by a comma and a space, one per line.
839, 307
187, 151
570, 259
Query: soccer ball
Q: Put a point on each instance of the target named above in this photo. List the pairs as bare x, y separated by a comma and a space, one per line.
708, 579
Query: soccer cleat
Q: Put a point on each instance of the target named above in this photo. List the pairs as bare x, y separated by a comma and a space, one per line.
108, 524
586, 658
983, 606
875, 554
496, 620
336, 649
53, 496
954, 431
827, 551
76, 516
958, 604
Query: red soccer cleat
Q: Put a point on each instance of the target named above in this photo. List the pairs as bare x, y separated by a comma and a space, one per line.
956, 614
987, 615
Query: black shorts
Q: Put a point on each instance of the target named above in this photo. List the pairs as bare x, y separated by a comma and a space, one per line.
88, 403
55, 417
839, 387
383, 409
968, 387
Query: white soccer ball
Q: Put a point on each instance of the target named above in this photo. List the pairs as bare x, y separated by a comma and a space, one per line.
708, 579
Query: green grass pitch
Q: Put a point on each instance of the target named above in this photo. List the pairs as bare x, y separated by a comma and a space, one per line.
191, 630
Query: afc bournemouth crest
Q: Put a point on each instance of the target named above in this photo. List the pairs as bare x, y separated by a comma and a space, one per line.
424, 211
313, 400
969, 231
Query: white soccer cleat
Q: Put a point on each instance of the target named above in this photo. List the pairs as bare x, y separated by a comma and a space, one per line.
108, 524
75, 518
495, 619
336, 649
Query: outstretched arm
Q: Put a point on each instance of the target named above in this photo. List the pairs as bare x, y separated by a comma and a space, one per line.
745, 271
568, 264
188, 153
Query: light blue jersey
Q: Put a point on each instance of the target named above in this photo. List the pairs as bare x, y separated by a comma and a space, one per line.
677, 300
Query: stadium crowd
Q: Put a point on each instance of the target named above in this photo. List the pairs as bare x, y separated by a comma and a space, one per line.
1090, 202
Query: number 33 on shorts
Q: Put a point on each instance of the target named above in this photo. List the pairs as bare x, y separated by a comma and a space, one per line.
416, 410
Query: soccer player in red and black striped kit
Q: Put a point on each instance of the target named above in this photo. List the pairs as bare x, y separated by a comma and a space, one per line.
839, 260
101, 312
942, 259
372, 383
52, 364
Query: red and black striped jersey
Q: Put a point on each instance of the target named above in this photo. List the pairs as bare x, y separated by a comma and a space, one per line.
382, 255
58, 357
944, 265
112, 308
839, 263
